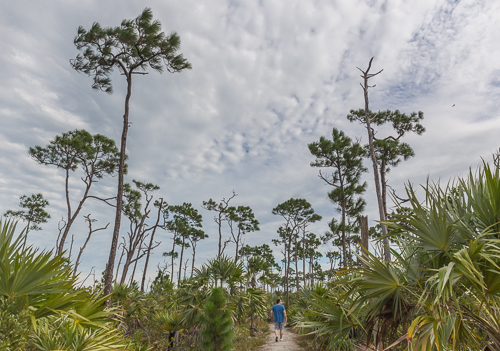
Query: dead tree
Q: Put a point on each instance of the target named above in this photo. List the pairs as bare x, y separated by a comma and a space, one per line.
91, 231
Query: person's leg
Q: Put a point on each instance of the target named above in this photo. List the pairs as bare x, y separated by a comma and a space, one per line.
281, 334
276, 328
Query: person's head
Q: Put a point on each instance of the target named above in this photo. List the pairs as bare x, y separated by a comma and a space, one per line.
278, 301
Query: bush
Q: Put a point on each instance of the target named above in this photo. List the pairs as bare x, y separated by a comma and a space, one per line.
216, 323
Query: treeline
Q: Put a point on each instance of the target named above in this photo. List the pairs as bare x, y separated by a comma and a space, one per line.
132, 48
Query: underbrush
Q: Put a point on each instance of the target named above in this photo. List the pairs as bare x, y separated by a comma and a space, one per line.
244, 341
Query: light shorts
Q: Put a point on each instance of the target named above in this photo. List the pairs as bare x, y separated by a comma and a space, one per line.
279, 325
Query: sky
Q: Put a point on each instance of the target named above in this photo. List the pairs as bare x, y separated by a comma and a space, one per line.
268, 78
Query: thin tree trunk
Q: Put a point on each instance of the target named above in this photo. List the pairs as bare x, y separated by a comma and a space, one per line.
365, 86
185, 267
135, 264
220, 235
364, 238
304, 256
180, 261
68, 204
237, 245
71, 218
119, 263
296, 263
108, 277
125, 268
288, 271
151, 245
344, 244
192, 264
384, 187
173, 253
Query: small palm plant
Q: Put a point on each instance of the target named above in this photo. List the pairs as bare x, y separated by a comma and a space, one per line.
442, 289
45, 306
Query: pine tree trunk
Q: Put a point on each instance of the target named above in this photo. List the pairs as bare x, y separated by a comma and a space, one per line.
366, 76
364, 238
180, 261
150, 246
296, 263
108, 276
304, 256
192, 263
173, 252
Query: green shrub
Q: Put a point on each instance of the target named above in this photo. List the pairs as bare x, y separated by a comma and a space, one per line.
216, 323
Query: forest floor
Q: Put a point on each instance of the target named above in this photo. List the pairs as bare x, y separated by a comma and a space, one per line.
289, 342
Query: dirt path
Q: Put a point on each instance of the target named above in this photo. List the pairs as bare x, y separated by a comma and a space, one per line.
288, 343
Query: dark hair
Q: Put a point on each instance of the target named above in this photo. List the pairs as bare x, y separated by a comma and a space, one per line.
278, 300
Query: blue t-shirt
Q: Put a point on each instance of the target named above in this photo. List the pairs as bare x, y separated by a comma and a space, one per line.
279, 315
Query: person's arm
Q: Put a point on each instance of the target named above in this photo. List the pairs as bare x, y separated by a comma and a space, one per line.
284, 313
272, 314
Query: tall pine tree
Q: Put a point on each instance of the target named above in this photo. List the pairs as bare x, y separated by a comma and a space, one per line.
345, 158
131, 48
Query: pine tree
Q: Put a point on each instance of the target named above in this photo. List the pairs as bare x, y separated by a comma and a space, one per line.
95, 155
34, 213
216, 323
130, 48
298, 214
345, 158
386, 151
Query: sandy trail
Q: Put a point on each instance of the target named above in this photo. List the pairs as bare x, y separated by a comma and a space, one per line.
288, 343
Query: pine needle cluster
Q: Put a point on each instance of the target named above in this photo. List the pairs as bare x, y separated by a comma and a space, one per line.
216, 323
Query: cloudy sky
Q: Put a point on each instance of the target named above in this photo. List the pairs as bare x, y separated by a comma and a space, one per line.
268, 78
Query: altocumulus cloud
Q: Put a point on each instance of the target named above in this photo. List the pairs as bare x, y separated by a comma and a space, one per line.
268, 78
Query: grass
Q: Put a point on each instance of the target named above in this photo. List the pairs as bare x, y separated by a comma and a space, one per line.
245, 342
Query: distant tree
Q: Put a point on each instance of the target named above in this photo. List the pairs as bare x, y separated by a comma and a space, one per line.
346, 160
264, 251
96, 155
216, 323
161, 285
298, 214
385, 152
221, 215
160, 204
186, 223
137, 213
131, 48
310, 254
33, 212
195, 236
333, 256
175, 228
241, 220
90, 222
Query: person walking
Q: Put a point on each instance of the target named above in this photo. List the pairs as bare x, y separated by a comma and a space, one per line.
280, 319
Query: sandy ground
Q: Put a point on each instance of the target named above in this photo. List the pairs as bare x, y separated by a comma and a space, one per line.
288, 343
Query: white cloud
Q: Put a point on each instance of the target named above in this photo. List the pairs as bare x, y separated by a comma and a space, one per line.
268, 78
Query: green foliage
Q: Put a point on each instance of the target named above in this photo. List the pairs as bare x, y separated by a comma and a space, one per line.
162, 284
41, 306
34, 212
441, 291
96, 154
14, 326
345, 158
216, 324
64, 333
223, 271
134, 45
